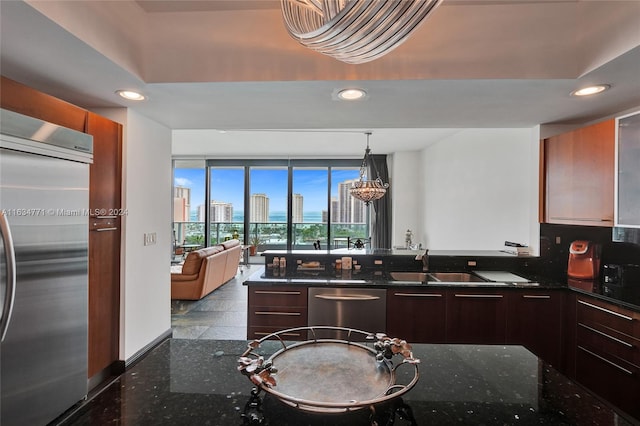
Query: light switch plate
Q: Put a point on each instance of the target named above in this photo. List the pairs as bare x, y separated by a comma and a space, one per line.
150, 239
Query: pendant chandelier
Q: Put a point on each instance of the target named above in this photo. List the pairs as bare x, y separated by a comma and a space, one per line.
354, 31
368, 190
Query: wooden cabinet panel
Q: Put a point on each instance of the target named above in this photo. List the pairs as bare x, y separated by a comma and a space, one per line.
579, 176
613, 380
607, 355
476, 316
106, 171
104, 299
276, 308
417, 315
19, 98
105, 181
534, 320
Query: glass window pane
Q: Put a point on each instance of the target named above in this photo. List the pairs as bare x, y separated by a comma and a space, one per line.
309, 208
188, 193
349, 216
226, 209
268, 208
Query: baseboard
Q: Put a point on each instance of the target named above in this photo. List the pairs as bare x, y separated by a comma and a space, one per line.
142, 352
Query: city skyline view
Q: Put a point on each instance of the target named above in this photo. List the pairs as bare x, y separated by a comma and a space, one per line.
309, 188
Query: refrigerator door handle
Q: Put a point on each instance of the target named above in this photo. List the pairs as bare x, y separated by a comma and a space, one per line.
10, 289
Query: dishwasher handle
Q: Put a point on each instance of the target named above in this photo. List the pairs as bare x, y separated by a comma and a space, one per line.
353, 297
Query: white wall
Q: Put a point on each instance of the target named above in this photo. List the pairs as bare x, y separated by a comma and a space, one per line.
406, 194
146, 283
474, 190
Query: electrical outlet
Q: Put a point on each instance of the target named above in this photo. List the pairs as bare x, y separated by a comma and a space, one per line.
150, 239
558, 240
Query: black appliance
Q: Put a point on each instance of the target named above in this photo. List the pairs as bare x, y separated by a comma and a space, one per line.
622, 282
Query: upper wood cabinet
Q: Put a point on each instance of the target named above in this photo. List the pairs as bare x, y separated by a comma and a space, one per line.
579, 168
25, 100
628, 211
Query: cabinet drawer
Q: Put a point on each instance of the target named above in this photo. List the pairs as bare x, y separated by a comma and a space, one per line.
603, 316
612, 347
259, 332
617, 382
278, 316
278, 296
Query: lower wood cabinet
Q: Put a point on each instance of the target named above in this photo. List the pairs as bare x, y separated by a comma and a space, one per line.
534, 320
476, 316
275, 308
607, 354
417, 315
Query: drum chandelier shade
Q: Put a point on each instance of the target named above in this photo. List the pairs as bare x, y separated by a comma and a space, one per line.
368, 190
354, 31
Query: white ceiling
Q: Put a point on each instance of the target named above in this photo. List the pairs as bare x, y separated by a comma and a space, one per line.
231, 65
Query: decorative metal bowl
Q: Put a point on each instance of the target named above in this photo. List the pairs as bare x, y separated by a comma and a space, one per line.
324, 375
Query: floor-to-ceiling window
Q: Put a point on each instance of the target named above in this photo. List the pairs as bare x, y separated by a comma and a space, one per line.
271, 204
226, 204
188, 197
268, 211
309, 211
350, 216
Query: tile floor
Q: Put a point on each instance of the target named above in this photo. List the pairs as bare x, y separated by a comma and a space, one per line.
221, 315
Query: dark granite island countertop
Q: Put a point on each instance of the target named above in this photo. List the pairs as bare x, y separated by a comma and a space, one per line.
196, 382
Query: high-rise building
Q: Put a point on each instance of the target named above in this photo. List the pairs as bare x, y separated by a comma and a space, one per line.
181, 204
350, 209
219, 211
335, 210
259, 208
297, 214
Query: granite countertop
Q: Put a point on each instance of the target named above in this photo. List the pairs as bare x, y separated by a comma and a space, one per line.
197, 382
376, 279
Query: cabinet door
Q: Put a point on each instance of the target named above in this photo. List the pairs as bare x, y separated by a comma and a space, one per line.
104, 242
416, 315
629, 171
579, 171
535, 321
476, 316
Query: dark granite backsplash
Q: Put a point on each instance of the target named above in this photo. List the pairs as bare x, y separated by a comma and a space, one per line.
554, 256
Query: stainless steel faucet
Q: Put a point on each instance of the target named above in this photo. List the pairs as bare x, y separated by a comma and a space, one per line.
425, 260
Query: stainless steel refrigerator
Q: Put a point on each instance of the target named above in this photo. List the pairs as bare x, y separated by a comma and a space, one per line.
44, 201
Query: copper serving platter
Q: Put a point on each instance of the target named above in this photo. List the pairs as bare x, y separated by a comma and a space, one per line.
325, 375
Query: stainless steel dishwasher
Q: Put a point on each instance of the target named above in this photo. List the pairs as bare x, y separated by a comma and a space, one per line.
360, 308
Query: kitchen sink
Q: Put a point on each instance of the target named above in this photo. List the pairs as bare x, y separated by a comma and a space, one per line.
410, 276
455, 277
448, 277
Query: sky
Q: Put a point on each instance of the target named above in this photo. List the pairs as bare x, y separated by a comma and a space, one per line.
227, 185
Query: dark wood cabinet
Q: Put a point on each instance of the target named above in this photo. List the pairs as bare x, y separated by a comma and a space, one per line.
417, 315
607, 358
534, 320
276, 308
476, 316
105, 182
579, 169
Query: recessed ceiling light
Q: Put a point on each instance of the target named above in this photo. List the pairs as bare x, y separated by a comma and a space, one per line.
131, 95
351, 94
591, 90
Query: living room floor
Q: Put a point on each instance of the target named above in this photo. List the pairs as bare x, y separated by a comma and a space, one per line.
222, 314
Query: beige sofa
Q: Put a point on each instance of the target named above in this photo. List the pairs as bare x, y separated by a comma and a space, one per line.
205, 270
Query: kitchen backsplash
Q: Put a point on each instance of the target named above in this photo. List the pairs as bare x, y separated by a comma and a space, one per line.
555, 241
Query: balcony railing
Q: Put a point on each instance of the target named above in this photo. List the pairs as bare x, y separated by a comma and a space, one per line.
270, 235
